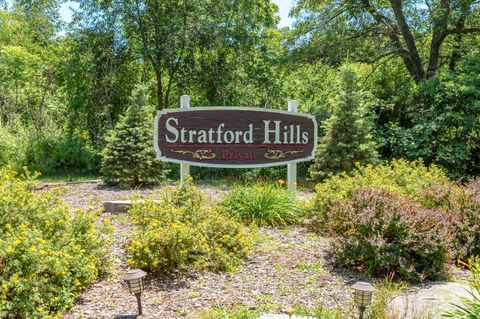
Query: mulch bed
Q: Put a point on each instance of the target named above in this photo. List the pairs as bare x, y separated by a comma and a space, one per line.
291, 267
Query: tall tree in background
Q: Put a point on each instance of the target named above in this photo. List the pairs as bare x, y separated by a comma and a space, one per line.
348, 139
172, 35
423, 34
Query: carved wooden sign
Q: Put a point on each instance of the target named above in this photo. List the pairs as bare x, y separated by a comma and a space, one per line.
234, 137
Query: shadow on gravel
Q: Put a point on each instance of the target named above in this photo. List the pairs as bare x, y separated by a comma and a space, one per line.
125, 317
173, 282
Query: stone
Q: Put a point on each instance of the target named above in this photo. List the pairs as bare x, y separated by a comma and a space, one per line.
429, 302
117, 206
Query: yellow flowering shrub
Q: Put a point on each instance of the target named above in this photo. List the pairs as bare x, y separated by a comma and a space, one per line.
179, 231
47, 253
398, 177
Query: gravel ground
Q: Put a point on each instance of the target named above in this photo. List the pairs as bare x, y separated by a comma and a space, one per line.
290, 268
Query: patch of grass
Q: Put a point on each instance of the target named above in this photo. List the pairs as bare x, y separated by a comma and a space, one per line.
265, 298
68, 177
229, 313
311, 267
263, 204
193, 294
386, 290
322, 313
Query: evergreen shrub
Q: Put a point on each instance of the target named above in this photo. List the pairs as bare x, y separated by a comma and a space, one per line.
129, 158
47, 253
348, 138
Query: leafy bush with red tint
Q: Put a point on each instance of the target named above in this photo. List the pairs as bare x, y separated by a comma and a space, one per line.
473, 186
460, 211
382, 233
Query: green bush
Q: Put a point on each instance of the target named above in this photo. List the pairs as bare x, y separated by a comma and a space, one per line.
129, 158
180, 231
12, 149
398, 176
47, 253
51, 151
444, 120
348, 136
383, 234
262, 203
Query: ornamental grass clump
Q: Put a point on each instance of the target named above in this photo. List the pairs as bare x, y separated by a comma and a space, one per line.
47, 253
381, 233
468, 307
262, 204
180, 231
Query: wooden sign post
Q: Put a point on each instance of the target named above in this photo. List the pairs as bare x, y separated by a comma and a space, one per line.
235, 137
184, 168
292, 167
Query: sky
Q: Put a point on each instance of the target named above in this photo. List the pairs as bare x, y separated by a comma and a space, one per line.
283, 5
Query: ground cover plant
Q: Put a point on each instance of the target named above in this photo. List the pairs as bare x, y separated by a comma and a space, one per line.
47, 253
181, 231
262, 203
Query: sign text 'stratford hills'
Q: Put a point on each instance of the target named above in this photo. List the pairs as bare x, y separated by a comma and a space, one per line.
234, 137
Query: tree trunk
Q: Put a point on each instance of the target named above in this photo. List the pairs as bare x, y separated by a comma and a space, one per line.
457, 47
160, 102
437, 41
416, 66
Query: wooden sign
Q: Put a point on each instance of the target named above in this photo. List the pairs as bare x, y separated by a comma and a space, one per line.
234, 137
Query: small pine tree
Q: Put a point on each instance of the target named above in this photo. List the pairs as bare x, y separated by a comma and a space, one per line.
348, 139
129, 158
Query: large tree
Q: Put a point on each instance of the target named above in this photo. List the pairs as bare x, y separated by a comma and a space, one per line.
171, 36
424, 34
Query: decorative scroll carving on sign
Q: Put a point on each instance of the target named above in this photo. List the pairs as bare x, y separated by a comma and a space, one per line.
279, 154
199, 154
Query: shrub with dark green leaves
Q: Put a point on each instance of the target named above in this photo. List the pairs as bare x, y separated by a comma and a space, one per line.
180, 232
381, 233
129, 158
47, 253
263, 204
445, 122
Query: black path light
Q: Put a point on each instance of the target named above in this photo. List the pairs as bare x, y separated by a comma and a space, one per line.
363, 292
134, 279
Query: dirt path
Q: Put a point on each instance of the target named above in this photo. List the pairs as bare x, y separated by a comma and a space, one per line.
290, 268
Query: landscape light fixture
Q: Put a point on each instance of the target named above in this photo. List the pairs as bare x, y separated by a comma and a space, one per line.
134, 279
363, 292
